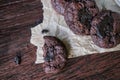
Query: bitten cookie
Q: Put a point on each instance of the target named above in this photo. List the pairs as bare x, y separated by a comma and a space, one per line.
105, 30
59, 5
55, 54
79, 14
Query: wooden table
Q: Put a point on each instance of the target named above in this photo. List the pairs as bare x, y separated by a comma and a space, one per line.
16, 19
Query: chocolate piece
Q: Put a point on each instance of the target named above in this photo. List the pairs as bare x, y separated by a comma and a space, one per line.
60, 5
55, 54
17, 58
105, 29
85, 17
78, 16
45, 31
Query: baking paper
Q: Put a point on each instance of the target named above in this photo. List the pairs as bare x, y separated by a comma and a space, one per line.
77, 45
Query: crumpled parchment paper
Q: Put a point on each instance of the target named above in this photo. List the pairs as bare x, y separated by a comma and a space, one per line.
55, 23
108, 4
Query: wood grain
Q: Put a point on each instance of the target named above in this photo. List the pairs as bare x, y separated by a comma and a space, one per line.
19, 15
16, 19
104, 66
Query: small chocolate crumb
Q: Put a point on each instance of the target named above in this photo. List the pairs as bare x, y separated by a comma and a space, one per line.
45, 31
17, 59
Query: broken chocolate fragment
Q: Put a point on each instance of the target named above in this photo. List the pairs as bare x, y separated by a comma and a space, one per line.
45, 31
17, 59
79, 14
55, 54
105, 29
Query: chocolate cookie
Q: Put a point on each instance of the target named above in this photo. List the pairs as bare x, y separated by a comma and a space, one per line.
79, 14
105, 30
60, 5
55, 54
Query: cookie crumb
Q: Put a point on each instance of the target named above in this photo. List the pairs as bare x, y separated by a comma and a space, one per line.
44, 31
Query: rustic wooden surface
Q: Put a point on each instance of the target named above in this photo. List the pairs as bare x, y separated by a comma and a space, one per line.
16, 19
19, 14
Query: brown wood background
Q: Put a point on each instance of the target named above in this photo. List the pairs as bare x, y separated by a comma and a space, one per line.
16, 19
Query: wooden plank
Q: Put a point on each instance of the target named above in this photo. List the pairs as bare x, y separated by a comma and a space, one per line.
16, 19
12, 11
15, 41
104, 66
9, 2
20, 15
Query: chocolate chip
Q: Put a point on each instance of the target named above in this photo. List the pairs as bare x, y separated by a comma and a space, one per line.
17, 59
105, 27
46, 58
50, 54
76, 0
49, 57
68, 0
100, 33
45, 31
85, 17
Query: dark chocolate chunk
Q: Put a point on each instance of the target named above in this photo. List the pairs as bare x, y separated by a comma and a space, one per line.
50, 54
85, 17
17, 59
105, 29
79, 14
105, 26
55, 54
45, 31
